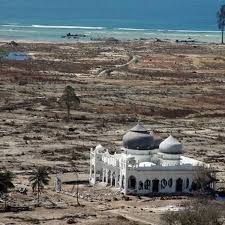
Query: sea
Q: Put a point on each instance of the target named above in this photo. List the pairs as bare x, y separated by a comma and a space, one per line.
51, 20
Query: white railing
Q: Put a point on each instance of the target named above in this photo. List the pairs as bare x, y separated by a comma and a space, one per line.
183, 167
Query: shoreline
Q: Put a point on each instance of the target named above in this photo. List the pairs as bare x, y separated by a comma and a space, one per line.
58, 34
111, 39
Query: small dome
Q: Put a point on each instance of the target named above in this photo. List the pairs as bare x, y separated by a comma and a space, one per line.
139, 128
99, 148
138, 138
171, 146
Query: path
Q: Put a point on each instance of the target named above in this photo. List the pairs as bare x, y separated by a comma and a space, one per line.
132, 218
109, 70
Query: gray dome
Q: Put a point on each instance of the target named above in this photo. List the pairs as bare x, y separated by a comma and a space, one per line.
138, 138
171, 146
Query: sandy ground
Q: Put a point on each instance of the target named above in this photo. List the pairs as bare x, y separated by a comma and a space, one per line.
176, 88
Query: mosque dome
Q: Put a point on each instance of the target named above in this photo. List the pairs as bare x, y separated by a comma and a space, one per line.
171, 146
138, 138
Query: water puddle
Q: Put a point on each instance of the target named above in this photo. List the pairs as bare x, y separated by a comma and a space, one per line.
18, 56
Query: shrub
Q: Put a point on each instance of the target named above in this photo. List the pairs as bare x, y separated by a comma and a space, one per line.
195, 213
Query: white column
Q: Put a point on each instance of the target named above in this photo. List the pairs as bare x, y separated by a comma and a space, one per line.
103, 174
125, 179
111, 178
137, 184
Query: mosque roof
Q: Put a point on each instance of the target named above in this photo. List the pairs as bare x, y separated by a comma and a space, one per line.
138, 138
139, 128
146, 164
171, 146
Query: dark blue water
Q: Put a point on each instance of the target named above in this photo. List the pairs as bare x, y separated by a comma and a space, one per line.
152, 15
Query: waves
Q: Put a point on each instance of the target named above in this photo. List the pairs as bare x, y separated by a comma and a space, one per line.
130, 29
52, 27
167, 30
194, 31
68, 27
43, 32
125, 29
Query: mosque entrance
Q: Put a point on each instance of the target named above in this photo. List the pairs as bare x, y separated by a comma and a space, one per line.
155, 186
179, 185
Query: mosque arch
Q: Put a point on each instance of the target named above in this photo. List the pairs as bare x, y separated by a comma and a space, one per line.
179, 185
147, 184
155, 186
113, 179
141, 185
109, 177
163, 183
104, 176
122, 182
92, 169
170, 182
99, 175
187, 183
132, 182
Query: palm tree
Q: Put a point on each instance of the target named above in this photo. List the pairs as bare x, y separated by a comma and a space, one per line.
6, 179
69, 100
39, 178
221, 21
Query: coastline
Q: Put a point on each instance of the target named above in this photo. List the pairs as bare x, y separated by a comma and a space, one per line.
151, 40
58, 34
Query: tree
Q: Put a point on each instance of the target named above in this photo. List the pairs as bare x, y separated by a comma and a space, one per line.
221, 21
203, 179
69, 100
39, 178
6, 184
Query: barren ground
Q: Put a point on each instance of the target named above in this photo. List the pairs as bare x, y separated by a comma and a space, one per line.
170, 88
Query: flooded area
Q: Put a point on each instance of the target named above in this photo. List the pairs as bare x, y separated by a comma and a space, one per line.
17, 56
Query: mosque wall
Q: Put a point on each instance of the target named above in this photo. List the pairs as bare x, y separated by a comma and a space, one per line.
147, 182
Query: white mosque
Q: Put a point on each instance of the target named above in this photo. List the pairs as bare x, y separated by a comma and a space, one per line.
146, 165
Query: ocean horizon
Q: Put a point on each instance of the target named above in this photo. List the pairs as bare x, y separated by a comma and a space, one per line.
128, 20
